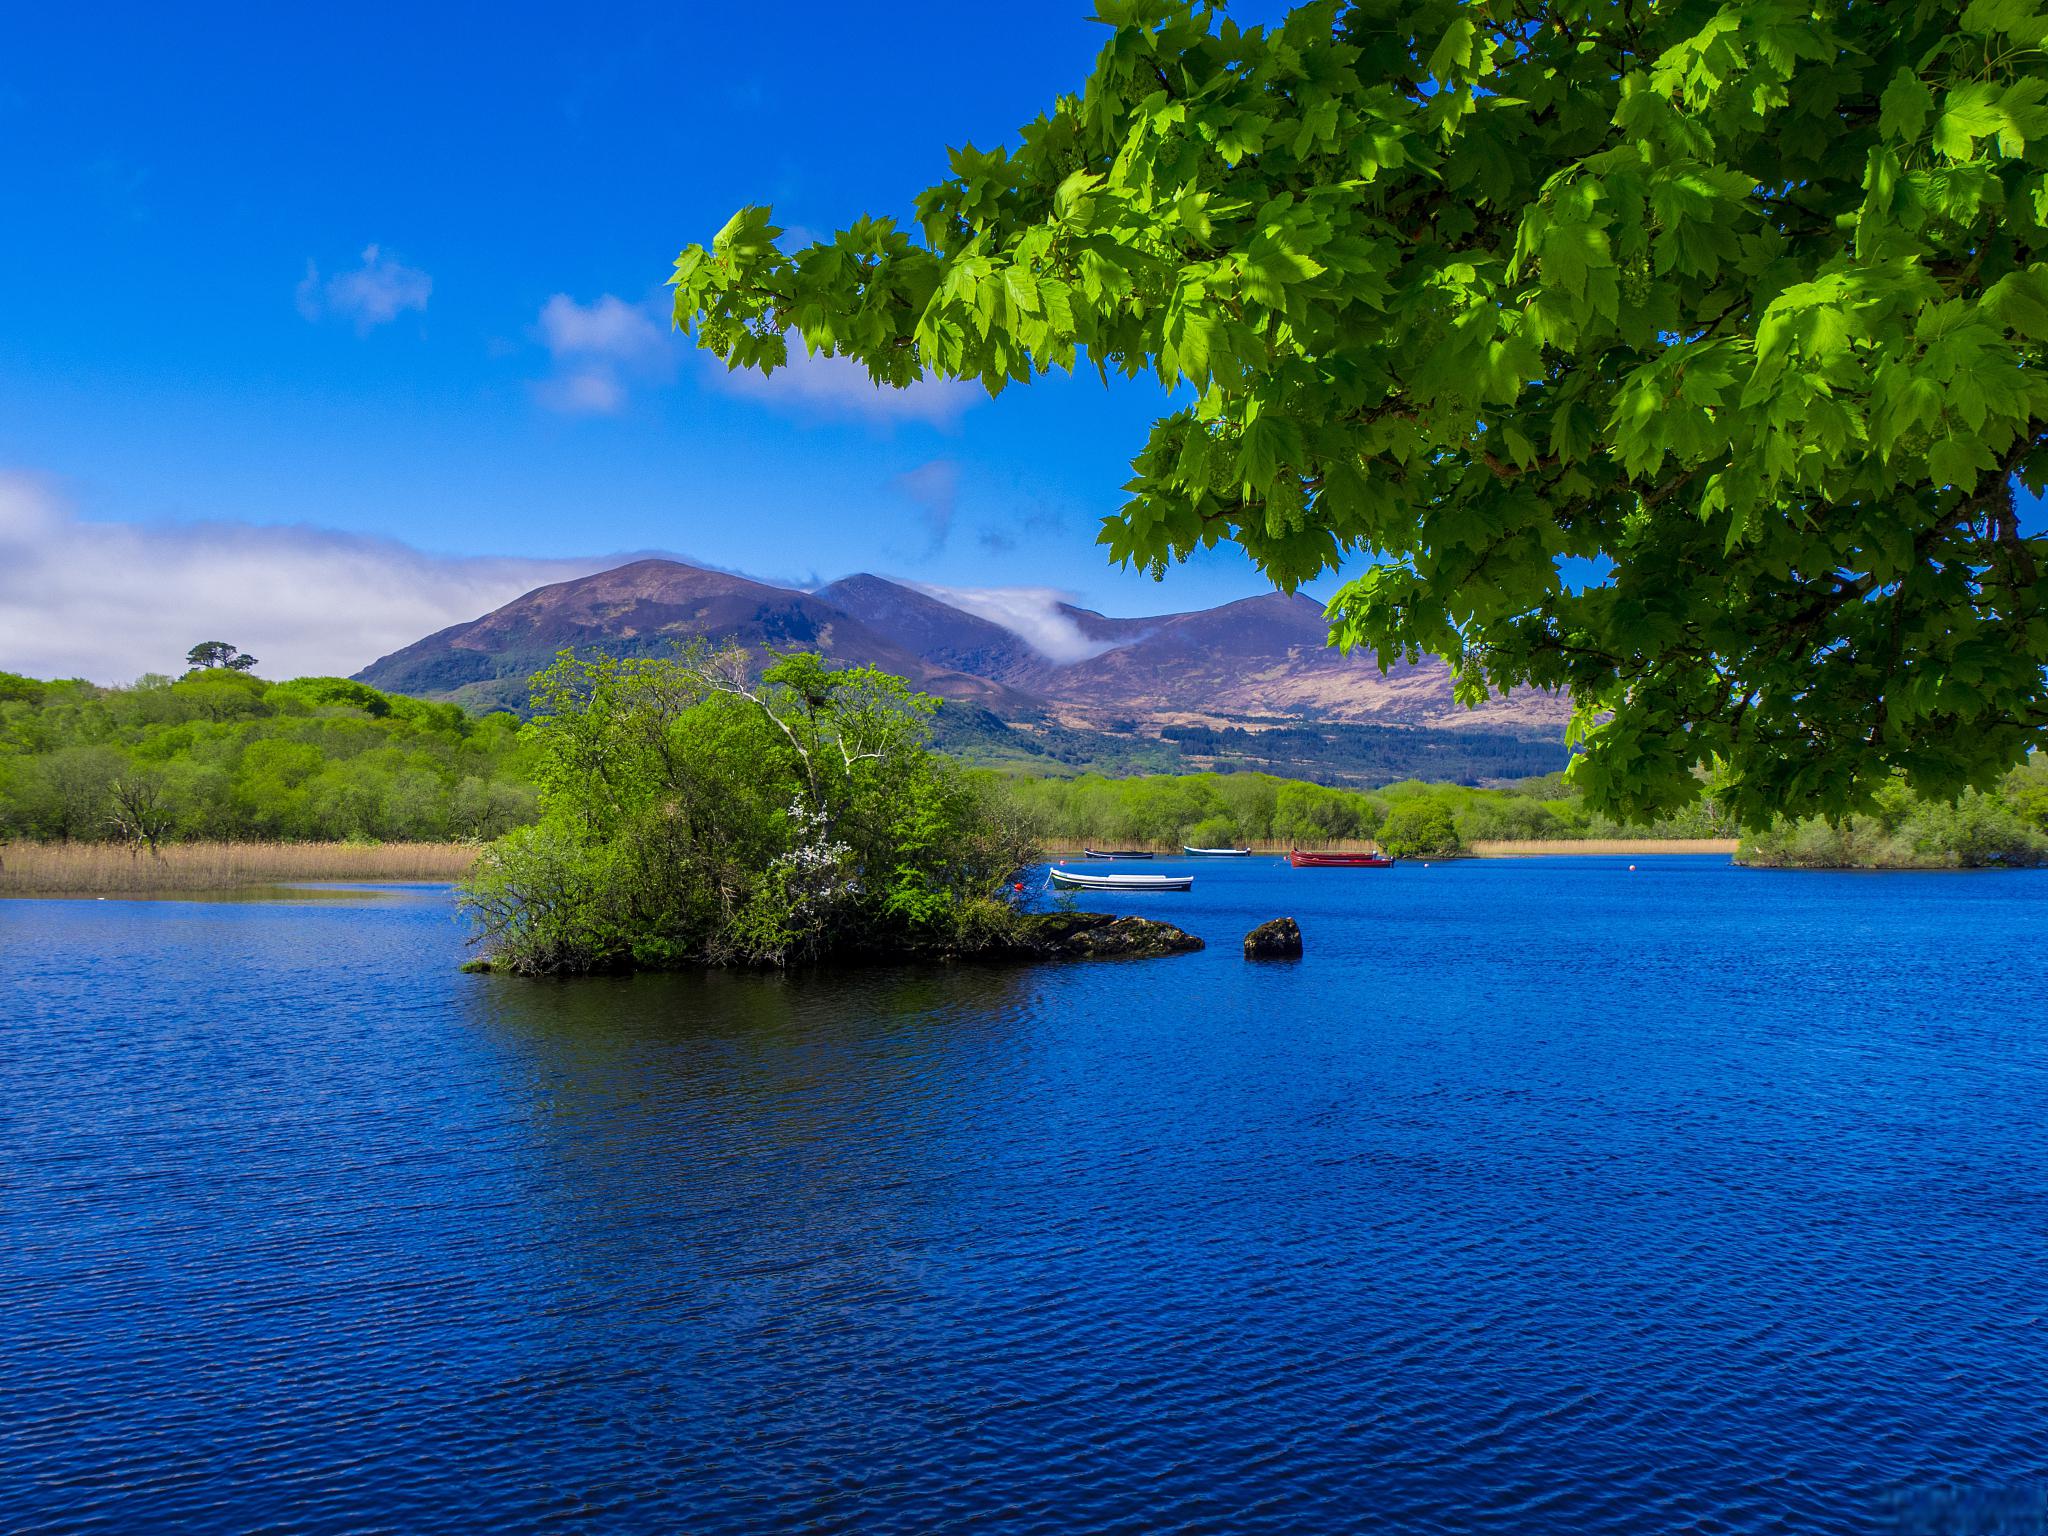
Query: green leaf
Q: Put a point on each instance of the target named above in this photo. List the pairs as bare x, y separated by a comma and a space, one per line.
1452, 57
1903, 109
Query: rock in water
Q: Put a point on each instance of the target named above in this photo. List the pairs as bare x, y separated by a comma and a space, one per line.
1098, 936
1135, 937
1278, 940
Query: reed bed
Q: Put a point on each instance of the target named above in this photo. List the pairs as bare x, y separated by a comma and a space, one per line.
112, 869
1068, 849
1482, 848
1630, 845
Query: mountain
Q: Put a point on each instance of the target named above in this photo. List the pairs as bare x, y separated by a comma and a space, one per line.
936, 633
646, 609
1249, 683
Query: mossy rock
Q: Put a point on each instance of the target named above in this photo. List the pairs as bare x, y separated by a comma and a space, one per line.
1278, 940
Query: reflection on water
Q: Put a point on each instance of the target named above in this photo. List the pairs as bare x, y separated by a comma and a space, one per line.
1539, 1197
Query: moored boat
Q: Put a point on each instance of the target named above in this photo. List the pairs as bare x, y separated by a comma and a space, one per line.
1119, 853
1311, 859
1083, 882
1215, 853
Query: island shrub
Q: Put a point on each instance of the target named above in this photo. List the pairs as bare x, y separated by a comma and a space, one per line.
691, 814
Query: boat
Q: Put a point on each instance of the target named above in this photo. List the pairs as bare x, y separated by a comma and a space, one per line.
1309, 859
1215, 853
1078, 881
1118, 853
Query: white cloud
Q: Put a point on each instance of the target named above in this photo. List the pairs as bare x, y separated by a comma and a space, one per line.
110, 601
815, 385
598, 349
1033, 614
370, 295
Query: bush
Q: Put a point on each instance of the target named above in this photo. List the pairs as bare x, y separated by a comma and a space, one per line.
692, 816
1422, 827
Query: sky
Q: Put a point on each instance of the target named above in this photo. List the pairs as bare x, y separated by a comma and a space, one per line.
325, 329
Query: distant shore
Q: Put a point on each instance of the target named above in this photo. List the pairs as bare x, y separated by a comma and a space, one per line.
1483, 849
112, 869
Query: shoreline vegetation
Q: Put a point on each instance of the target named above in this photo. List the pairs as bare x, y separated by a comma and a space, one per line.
219, 780
116, 869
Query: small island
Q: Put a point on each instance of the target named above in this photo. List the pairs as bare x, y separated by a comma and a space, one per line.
693, 814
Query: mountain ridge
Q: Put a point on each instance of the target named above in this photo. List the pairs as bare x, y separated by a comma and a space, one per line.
1258, 664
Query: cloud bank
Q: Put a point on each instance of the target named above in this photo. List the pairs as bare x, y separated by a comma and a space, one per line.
1035, 615
110, 601
811, 385
599, 350
375, 293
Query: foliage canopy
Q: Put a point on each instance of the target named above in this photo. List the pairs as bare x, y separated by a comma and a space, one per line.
222, 755
1743, 304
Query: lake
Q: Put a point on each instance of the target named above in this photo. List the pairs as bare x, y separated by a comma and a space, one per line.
1540, 1196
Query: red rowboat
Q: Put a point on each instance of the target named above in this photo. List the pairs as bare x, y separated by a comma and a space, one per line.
1301, 860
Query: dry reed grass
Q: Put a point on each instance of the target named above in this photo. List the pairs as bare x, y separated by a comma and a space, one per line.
111, 869
1257, 845
1503, 849
1630, 845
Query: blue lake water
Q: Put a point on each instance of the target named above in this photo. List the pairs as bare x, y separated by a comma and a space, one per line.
1540, 1196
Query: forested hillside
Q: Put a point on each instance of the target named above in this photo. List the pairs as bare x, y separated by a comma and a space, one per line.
221, 754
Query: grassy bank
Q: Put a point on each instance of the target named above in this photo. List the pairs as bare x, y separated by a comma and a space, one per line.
1650, 847
1483, 848
107, 869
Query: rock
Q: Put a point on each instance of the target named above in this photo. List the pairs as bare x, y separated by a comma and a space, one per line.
1278, 940
1100, 936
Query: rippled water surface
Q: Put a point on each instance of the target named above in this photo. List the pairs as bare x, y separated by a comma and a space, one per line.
1539, 1197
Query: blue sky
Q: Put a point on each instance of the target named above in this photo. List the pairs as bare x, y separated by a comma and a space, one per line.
396, 273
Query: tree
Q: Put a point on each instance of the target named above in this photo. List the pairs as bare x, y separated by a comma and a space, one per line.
218, 653
139, 810
1741, 307
1420, 827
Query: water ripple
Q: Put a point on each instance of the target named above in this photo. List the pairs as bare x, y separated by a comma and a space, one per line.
1539, 1198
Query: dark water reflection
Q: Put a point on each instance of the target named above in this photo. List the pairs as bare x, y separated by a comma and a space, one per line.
1538, 1197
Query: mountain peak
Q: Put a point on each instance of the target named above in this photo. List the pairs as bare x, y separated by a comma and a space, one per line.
1021, 653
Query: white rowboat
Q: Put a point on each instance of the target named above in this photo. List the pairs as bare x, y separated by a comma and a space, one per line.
1122, 882
1216, 853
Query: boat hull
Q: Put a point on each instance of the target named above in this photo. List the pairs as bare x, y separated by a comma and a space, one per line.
1312, 860
1215, 853
1127, 883
1113, 853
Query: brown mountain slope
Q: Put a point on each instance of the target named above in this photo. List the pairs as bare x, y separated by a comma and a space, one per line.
644, 609
1267, 656
1259, 658
1262, 661
936, 632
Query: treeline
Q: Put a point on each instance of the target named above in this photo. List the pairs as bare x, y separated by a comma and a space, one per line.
1407, 819
2008, 826
220, 754
1359, 755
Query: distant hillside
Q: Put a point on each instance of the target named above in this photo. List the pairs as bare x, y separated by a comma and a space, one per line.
1251, 683
646, 609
